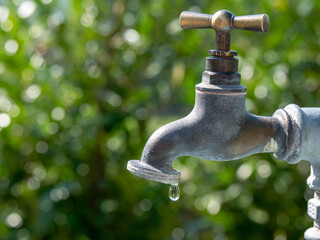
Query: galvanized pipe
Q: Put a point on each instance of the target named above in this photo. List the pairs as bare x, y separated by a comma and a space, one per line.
301, 142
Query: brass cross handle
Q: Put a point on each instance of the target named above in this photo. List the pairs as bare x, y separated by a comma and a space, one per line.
223, 22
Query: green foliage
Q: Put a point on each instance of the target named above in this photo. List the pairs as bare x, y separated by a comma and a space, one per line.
83, 84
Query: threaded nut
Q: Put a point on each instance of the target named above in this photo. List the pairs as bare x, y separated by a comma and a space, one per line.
219, 78
314, 208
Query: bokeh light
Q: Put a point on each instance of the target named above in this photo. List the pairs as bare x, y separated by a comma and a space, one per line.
83, 84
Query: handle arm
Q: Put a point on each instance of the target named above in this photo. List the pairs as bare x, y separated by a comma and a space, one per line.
223, 22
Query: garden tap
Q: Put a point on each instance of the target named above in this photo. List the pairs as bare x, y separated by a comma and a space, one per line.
219, 128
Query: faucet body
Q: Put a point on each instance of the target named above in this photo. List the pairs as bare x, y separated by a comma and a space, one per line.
219, 128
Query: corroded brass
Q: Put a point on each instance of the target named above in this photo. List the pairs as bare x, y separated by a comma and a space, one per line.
223, 22
222, 67
219, 53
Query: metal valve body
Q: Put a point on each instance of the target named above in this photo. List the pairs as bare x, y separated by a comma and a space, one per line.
219, 128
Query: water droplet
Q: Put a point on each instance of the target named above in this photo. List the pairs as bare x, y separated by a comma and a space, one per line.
174, 192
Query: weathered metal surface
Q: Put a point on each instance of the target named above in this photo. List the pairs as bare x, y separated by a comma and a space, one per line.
312, 234
300, 139
303, 134
220, 53
221, 71
219, 128
220, 78
314, 212
223, 22
222, 64
314, 208
147, 171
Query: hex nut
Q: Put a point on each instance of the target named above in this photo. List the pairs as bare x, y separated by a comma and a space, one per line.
314, 208
218, 78
222, 64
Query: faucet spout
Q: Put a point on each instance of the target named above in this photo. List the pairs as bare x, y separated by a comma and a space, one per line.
219, 128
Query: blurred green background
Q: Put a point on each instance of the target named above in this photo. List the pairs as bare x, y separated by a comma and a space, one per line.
83, 84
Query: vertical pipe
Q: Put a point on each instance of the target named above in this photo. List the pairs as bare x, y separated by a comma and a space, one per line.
313, 233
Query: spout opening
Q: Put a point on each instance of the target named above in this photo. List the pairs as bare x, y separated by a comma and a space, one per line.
145, 170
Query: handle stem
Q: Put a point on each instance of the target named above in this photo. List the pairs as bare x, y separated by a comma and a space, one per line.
223, 40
